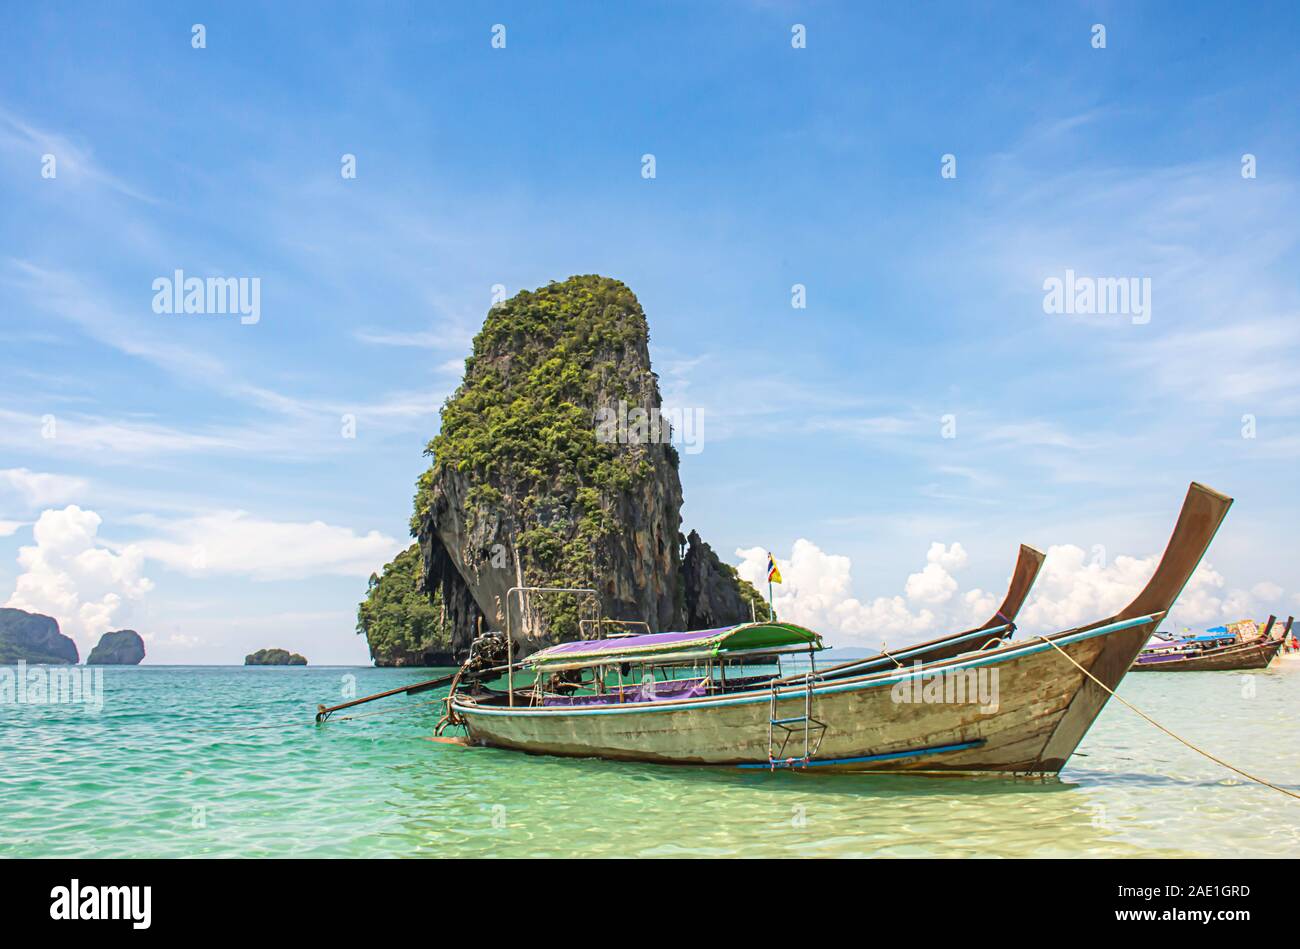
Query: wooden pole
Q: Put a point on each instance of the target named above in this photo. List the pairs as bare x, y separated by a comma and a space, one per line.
323, 712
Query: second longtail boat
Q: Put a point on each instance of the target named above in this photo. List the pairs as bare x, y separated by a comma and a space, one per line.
1214, 654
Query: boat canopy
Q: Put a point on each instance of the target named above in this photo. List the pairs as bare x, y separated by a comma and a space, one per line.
697, 644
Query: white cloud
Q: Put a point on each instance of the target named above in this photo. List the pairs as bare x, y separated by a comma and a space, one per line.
818, 592
445, 337
1073, 589
285, 424
9, 528
934, 584
949, 558
1266, 590
71, 575
233, 542
38, 488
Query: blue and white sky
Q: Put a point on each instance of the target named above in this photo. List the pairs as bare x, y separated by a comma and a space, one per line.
188, 475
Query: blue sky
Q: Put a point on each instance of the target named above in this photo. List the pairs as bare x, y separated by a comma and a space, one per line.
229, 512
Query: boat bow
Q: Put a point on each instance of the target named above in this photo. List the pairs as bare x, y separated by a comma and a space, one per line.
1203, 512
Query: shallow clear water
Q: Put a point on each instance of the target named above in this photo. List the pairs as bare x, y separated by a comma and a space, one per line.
165, 770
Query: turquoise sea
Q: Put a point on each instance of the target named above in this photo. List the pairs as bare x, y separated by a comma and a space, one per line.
178, 764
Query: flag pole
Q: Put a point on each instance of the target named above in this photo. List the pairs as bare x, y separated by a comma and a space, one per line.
771, 615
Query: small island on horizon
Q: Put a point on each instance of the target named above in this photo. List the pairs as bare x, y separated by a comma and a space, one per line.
274, 657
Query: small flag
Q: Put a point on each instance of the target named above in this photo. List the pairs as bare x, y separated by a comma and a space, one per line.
773, 574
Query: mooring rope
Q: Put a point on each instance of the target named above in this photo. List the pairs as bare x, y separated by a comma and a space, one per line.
1179, 738
886, 652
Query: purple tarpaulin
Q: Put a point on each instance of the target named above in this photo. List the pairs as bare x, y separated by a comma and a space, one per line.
646, 692
633, 642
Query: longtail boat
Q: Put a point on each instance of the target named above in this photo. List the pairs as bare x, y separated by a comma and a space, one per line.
1215, 655
1020, 706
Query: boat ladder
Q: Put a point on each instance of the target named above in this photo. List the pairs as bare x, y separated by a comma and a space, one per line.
812, 729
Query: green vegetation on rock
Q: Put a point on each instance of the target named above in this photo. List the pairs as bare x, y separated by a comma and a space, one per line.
33, 638
522, 413
402, 624
521, 430
125, 647
274, 657
551, 468
748, 593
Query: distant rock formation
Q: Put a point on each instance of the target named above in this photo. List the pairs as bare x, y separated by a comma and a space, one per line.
121, 648
33, 638
275, 657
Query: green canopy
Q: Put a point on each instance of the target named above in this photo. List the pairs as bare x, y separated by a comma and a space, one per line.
697, 644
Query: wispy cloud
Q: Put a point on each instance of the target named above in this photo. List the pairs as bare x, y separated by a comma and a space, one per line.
224, 543
75, 162
38, 488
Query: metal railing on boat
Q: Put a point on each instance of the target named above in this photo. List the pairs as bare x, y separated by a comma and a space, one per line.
510, 649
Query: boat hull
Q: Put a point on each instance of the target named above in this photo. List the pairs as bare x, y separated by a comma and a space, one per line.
1244, 656
1039, 705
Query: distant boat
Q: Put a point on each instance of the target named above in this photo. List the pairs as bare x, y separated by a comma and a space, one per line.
1217, 652
688, 698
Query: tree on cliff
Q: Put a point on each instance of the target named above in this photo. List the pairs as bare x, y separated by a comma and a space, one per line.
402, 624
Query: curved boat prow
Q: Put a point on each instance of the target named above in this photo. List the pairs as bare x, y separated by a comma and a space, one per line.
1203, 511
1028, 564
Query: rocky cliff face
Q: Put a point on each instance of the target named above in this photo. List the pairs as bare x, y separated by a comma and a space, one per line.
715, 595
403, 624
32, 637
552, 469
522, 490
121, 648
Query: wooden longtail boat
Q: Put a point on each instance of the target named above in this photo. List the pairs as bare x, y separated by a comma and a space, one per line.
1020, 707
1184, 656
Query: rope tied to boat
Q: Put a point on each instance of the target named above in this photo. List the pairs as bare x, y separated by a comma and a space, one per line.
1178, 738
